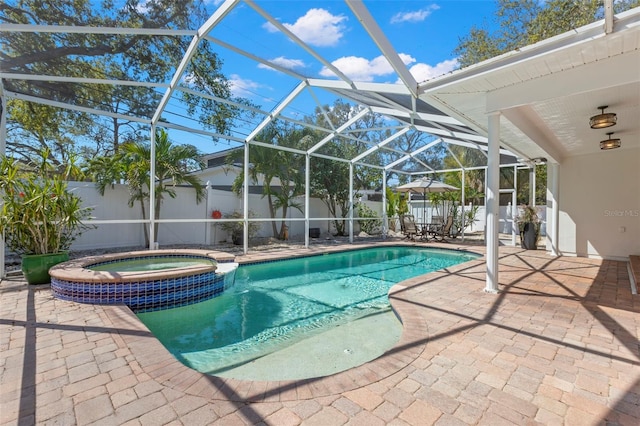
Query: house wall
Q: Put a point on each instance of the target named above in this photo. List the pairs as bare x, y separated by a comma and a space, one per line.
599, 204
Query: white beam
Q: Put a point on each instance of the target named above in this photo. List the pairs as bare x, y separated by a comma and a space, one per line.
278, 147
446, 108
380, 145
379, 38
391, 88
412, 154
63, 79
349, 122
168, 125
444, 119
278, 109
221, 100
529, 122
452, 134
256, 58
29, 98
217, 16
80, 29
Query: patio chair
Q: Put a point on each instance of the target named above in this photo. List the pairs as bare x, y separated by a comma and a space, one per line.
408, 226
439, 233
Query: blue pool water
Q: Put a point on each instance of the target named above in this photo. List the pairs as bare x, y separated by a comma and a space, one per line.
277, 304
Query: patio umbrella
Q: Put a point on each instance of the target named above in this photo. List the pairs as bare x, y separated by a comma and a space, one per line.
425, 186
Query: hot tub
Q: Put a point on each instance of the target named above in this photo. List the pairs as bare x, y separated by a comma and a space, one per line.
144, 280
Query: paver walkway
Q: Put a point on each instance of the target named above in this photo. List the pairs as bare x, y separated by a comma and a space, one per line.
557, 345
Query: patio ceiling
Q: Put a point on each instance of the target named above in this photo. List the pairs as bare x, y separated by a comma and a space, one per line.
545, 92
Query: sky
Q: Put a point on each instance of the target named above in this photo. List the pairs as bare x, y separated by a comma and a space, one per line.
423, 33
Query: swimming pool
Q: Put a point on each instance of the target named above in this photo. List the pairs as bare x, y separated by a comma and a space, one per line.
275, 305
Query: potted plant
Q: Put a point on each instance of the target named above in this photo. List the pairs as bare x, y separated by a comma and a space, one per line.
236, 228
40, 217
529, 226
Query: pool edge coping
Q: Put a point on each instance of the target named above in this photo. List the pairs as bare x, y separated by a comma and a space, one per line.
76, 269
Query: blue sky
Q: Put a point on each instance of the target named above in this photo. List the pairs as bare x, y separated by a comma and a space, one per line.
424, 33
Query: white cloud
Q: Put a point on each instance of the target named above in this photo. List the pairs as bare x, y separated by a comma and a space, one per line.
142, 7
362, 69
422, 72
243, 88
317, 27
414, 16
285, 63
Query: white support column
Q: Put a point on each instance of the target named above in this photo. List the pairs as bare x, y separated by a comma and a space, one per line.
463, 200
350, 202
245, 201
532, 185
152, 190
553, 212
492, 203
514, 206
207, 226
385, 219
513, 213
307, 193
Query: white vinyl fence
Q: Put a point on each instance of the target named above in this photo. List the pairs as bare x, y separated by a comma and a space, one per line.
114, 206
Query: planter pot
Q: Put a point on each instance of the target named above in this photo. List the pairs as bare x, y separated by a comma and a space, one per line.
35, 267
528, 236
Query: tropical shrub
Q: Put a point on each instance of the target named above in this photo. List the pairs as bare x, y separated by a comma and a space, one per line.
39, 214
370, 226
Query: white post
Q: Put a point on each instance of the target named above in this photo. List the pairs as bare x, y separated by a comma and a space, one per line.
553, 192
307, 192
351, 202
514, 214
532, 185
514, 206
245, 201
207, 226
492, 203
462, 202
385, 219
152, 190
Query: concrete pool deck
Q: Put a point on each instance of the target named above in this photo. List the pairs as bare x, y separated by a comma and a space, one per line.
557, 345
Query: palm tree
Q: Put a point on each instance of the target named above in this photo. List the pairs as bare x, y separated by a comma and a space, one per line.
174, 164
273, 164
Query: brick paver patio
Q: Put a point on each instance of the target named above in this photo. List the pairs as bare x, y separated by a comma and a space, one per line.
557, 345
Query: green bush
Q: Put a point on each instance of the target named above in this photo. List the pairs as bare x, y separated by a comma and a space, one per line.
370, 226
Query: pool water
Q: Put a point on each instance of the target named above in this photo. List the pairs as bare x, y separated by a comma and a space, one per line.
150, 264
274, 305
